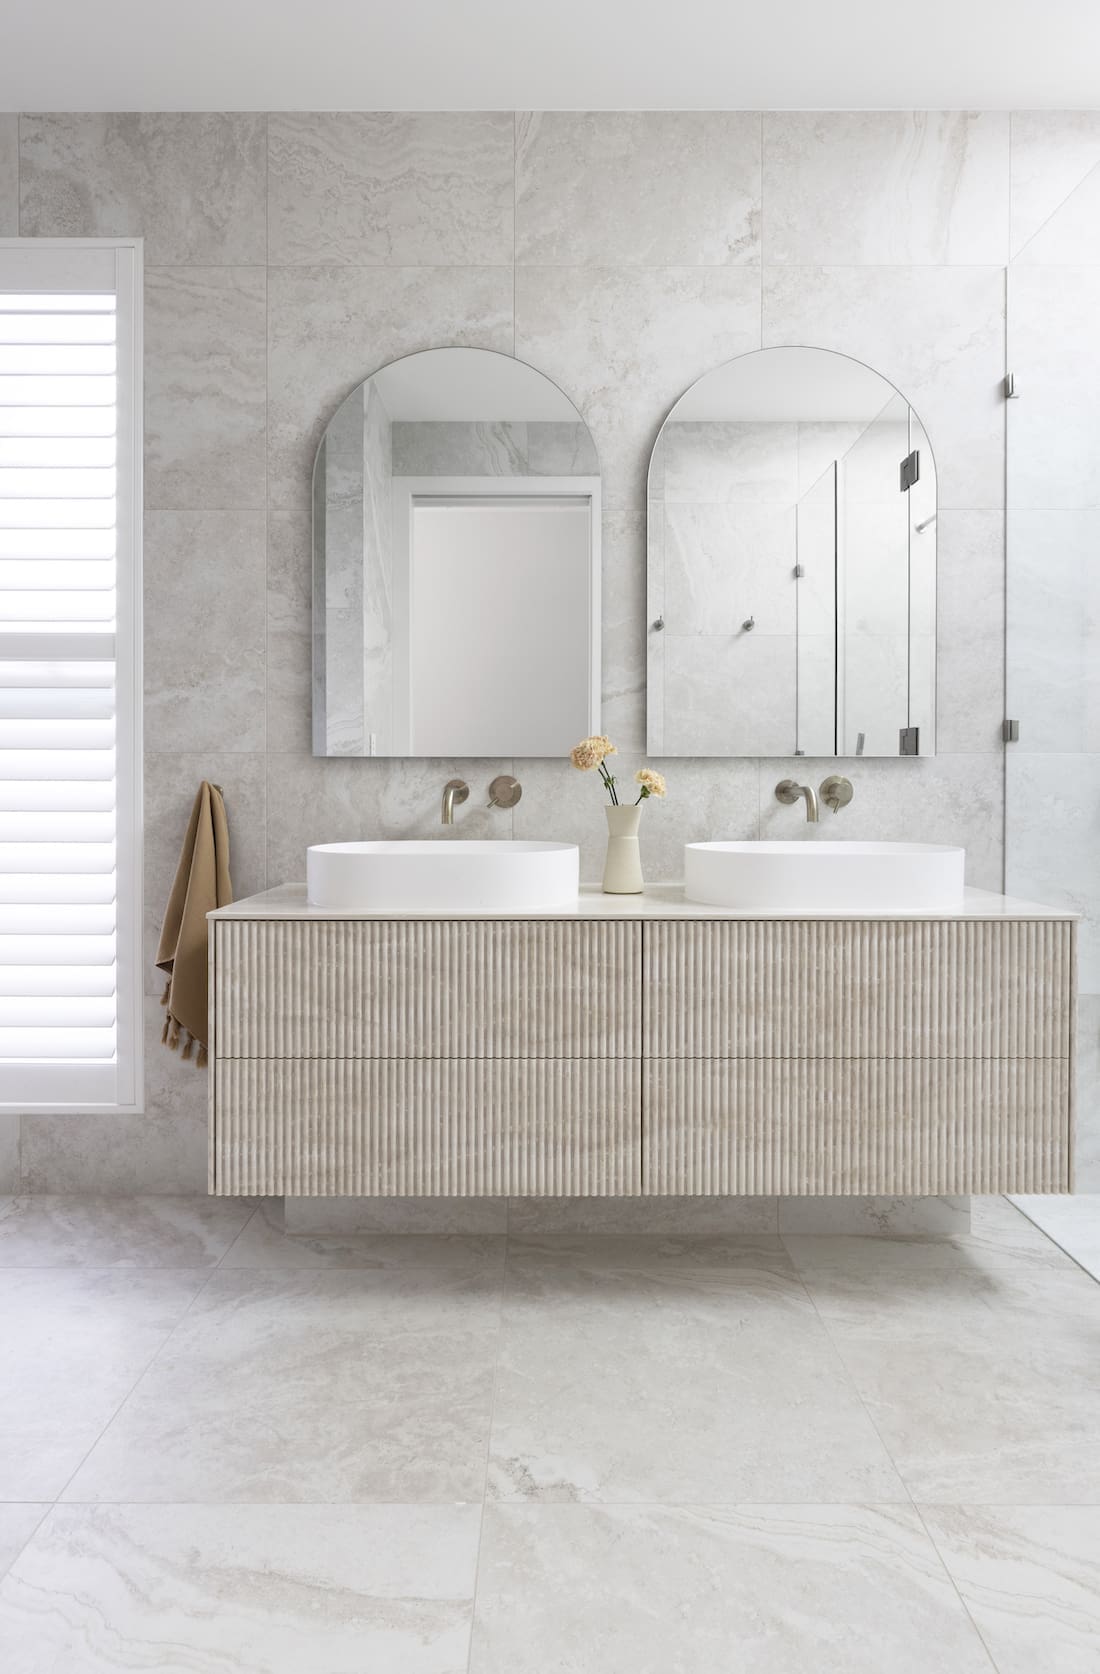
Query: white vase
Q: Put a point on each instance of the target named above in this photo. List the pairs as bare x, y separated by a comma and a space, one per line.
622, 873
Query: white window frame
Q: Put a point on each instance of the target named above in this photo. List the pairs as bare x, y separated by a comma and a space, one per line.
129, 269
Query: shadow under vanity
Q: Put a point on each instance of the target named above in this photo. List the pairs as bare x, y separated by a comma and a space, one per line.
720, 1041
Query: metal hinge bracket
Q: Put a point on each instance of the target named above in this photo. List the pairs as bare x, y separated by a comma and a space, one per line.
1010, 731
909, 741
1011, 392
909, 472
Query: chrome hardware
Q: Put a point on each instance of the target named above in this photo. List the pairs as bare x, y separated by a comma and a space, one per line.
836, 792
749, 624
788, 792
909, 741
861, 739
1010, 731
799, 571
455, 790
504, 792
919, 528
909, 471
659, 625
1011, 392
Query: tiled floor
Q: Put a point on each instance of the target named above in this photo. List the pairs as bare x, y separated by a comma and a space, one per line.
1072, 1222
228, 1452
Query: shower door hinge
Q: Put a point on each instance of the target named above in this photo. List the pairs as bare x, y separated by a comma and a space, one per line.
909, 741
1010, 731
1011, 393
909, 472
799, 572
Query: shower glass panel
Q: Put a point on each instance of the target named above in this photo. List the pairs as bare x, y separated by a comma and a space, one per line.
815, 617
1052, 773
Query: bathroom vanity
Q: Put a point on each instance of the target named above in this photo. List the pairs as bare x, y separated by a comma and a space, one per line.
640, 1045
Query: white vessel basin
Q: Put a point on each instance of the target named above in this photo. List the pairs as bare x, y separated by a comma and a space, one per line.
443, 876
823, 876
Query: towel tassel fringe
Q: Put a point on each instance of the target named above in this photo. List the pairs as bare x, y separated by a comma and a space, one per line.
167, 992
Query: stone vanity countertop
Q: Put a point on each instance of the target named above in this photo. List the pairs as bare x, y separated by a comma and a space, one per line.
658, 901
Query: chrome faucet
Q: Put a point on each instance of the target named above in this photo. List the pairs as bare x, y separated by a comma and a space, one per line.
789, 791
455, 790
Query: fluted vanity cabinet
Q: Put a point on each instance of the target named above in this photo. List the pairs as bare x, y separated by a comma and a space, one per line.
640, 1046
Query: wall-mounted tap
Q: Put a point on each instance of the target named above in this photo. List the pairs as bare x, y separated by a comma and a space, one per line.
455, 790
788, 791
836, 792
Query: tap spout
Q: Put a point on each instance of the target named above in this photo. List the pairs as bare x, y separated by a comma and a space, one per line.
788, 791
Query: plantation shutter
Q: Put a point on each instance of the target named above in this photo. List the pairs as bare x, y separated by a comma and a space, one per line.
69, 724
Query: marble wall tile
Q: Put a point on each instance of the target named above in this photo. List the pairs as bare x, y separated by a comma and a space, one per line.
330, 327
625, 343
264, 1590
947, 799
450, 449
936, 332
1053, 612
9, 1151
9, 176
204, 631
1054, 352
898, 187
391, 188
637, 188
1086, 1159
970, 628
679, 1587
1055, 185
1052, 816
171, 780
192, 184
727, 563
205, 387
1028, 1577
705, 800
313, 800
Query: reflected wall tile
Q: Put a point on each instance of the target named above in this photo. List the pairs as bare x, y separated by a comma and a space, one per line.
625, 343
9, 176
1053, 807
275, 1589
970, 627
1054, 351
204, 631
637, 188
729, 694
205, 387
705, 800
18, 1521
289, 627
936, 332
944, 799
1086, 1159
391, 188
1055, 186
312, 800
623, 624
1053, 629
171, 780
193, 184
330, 327
885, 186
1028, 1577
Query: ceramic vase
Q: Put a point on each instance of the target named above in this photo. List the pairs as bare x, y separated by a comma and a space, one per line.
622, 873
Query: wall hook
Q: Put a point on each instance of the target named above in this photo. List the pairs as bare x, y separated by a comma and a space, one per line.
749, 624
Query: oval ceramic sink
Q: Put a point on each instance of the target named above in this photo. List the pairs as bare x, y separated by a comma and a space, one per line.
813, 877
442, 876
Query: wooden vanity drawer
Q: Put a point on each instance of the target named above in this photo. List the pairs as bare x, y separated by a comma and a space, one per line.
847, 988
413, 1128
438, 989
836, 1126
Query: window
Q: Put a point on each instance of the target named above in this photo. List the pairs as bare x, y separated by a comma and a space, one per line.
70, 530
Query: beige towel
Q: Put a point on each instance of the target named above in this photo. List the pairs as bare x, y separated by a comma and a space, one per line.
202, 883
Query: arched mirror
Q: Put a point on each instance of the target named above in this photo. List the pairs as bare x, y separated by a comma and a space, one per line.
456, 564
792, 565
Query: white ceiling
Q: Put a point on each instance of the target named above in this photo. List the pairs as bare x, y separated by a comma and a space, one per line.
548, 54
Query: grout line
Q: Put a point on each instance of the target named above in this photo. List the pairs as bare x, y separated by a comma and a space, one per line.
955, 1587
59, 1498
